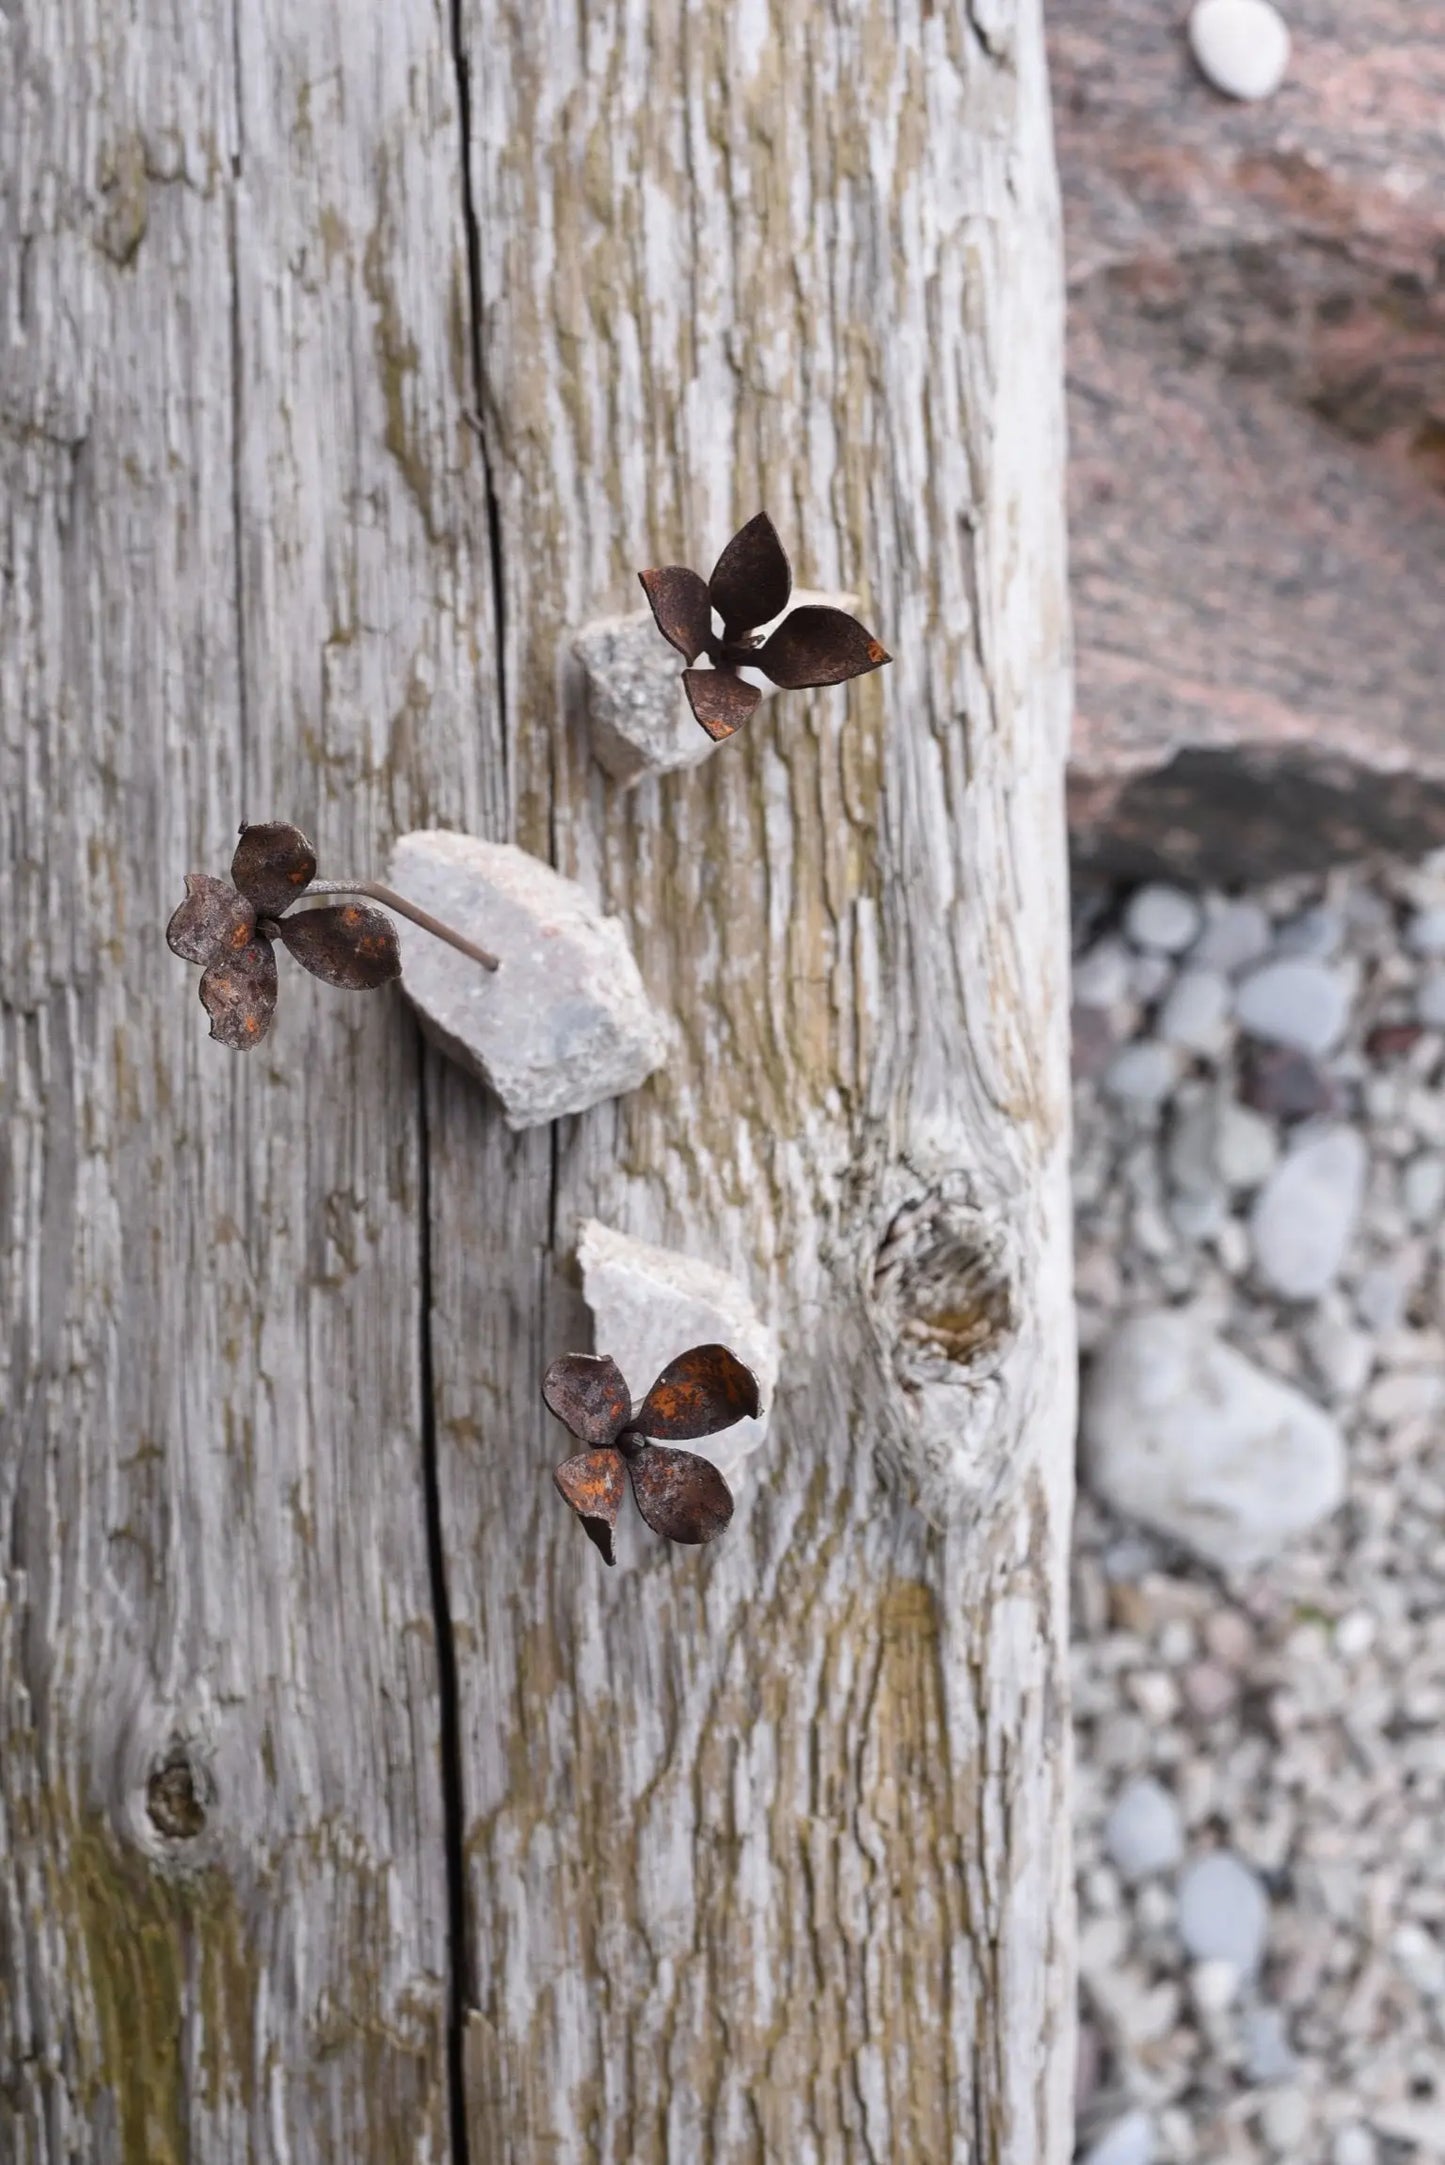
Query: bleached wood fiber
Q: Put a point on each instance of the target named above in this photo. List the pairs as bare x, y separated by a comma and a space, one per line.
765, 1850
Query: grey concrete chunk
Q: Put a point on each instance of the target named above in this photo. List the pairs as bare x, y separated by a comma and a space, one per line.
649, 1304
639, 717
566, 1021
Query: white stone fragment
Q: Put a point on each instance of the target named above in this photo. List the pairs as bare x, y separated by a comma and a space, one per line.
1304, 1217
637, 710
1242, 46
649, 1304
1297, 1001
566, 1021
1162, 919
1184, 1433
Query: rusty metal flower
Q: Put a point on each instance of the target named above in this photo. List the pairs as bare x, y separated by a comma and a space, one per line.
750, 585
231, 930
680, 1495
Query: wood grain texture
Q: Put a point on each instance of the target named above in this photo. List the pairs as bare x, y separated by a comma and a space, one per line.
241, 577
766, 1848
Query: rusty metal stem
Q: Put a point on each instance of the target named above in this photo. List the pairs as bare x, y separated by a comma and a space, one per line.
376, 892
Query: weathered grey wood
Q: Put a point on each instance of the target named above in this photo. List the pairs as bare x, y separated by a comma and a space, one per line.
243, 574
767, 1849
765, 1852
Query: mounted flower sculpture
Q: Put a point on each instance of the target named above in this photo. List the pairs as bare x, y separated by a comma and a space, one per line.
230, 929
750, 585
681, 1496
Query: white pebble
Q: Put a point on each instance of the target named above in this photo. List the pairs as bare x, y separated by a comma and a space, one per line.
1142, 1074
1223, 1913
1355, 1635
1420, 1958
1214, 1986
1304, 1216
1142, 1834
1101, 977
1235, 935
1196, 1013
1162, 919
1354, 2145
1298, 1001
1426, 931
1129, 2141
1423, 1189
1342, 1355
1242, 46
1285, 2121
1430, 1001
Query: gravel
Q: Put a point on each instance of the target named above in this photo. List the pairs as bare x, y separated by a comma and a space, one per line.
1288, 1710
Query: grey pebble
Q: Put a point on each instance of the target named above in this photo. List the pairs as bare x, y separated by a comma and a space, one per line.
1163, 919
1381, 1295
1297, 1001
1304, 1217
1196, 1012
1426, 931
1423, 1189
1217, 1143
1235, 935
1143, 1073
1129, 2141
1223, 1913
1264, 2033
1143, 1833
1101, 977
1317, 931
1150, 977
1430, 1001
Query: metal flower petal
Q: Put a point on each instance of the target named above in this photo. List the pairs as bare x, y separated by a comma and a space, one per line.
594, 1485
819, 645
699, 1393
719, 700
589, 1394
212, 920
681, 1496
273, 864
752, 579
680, 604
238, 992
351, 946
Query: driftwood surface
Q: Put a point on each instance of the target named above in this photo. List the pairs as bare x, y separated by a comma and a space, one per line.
350, 359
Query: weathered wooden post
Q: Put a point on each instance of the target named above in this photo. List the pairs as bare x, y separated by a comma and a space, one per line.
350, 360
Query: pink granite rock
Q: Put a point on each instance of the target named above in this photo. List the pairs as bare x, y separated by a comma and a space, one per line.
1257, 411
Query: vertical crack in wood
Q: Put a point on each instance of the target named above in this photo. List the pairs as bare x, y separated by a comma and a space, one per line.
479, 386
460, 1994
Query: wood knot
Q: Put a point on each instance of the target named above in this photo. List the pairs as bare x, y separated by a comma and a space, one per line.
175, 1796
944, 1287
